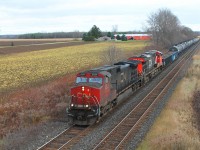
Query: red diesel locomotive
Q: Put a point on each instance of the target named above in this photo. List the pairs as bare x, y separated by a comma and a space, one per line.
96, 90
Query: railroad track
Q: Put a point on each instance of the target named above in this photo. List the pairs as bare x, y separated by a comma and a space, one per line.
67, 138
119, 137
63, 138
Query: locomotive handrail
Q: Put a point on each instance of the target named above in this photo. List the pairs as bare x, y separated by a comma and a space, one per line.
81, 95
98, 105
94, 98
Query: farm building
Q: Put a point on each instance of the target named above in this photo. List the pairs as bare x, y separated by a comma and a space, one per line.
135, 36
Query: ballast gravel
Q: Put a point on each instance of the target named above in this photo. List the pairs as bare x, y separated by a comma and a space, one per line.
34, 137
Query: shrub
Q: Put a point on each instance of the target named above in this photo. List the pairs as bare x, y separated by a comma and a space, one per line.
124, 38
89, 38
118, 37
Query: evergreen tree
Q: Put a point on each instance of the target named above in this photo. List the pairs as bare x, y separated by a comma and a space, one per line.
95, 32
84, 37
118, 37
109, 34
124, 38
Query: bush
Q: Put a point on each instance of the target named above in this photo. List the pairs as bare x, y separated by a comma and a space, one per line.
89, 38
112, 37
124, 38
109, 34
118, 37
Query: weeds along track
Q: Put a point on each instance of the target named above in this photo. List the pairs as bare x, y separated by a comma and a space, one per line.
119, 137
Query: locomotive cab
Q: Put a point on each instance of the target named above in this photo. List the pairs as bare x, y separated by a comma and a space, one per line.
158, 58
144, 63
92, 90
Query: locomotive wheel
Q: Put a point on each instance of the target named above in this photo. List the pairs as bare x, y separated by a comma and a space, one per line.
110, 106
114, 102
102, 111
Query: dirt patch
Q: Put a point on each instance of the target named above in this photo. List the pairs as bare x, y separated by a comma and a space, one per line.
26, 47
17, 42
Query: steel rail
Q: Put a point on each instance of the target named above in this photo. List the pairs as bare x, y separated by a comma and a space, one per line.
62, 138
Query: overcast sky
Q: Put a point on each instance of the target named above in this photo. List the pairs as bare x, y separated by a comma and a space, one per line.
29, 16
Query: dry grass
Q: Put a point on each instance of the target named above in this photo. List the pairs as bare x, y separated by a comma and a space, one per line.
174, 128
34, 105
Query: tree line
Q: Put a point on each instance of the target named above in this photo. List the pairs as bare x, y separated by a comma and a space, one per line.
166, 29
74, 34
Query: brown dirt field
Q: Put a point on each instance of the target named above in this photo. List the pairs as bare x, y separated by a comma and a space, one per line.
26, 47
17, 42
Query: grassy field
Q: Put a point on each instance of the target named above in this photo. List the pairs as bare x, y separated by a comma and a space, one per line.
18, 70
175, 127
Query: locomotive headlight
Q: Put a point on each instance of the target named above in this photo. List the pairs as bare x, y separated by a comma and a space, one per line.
86, 105
83, 88
72, 105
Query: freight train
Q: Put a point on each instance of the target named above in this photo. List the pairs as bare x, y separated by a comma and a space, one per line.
96, 90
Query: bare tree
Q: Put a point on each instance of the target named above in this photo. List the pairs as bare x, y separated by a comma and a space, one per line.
165, 28
114, 29
112, 55
76, 34
187, 33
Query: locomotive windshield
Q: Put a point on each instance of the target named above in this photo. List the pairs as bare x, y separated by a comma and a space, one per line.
95, 80
90, 80
81, 80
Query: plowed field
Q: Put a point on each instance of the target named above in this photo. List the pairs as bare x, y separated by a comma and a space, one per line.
18, 46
